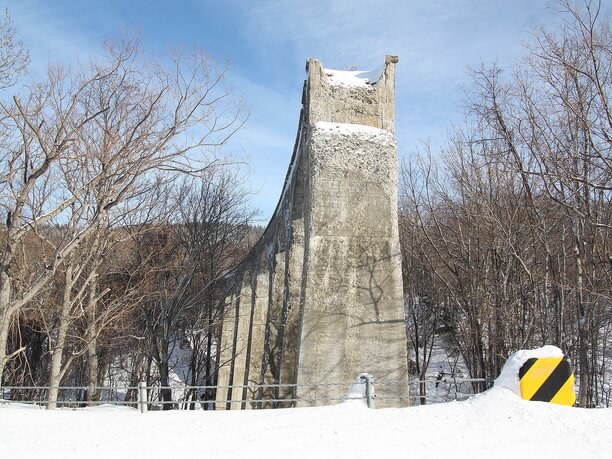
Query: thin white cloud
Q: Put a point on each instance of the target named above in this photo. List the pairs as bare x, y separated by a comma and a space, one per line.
53, 37
434, 39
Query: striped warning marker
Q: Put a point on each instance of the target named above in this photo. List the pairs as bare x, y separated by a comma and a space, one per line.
548, 379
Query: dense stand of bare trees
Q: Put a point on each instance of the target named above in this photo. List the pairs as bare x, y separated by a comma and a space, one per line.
118, 213
507, 231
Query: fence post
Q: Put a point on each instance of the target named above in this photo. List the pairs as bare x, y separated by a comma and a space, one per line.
369, 390
142, 396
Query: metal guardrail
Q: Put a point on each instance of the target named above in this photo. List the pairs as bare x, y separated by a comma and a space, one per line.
150, 396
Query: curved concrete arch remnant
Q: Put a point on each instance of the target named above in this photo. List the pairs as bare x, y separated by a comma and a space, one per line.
319, 298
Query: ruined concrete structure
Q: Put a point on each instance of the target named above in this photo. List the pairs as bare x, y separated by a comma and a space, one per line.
319, 298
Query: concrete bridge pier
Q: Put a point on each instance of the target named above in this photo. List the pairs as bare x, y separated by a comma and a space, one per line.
319, 298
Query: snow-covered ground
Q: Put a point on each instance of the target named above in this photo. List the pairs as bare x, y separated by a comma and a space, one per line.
497, 423
494, 424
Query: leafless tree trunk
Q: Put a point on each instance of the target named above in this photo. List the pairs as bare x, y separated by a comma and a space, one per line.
91, 336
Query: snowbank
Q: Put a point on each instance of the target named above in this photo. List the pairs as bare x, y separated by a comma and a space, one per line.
496, 424
509, 376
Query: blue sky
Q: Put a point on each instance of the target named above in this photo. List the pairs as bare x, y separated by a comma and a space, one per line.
269, 41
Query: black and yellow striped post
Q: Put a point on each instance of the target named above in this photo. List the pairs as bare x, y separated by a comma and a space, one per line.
548, 379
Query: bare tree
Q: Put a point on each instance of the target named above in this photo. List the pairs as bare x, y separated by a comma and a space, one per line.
553, 121
513, 219
207, 235
95, 138
214, 229
13, 57
422, 304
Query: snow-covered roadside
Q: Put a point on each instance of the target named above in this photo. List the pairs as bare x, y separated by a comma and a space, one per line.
494, 424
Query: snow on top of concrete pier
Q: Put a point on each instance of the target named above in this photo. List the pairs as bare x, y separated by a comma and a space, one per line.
359, 130
348, 78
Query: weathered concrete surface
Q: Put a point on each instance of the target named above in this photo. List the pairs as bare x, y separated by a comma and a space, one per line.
319, 298
353, 317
